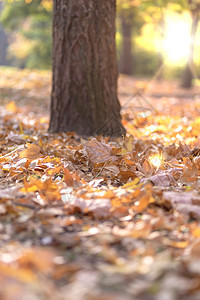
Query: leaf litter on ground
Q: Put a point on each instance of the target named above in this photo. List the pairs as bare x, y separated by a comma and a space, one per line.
100, 218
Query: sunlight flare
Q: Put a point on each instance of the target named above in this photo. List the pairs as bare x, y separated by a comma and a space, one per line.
177, 38
156, 160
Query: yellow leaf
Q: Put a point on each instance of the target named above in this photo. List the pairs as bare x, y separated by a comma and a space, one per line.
128, 161
132, 184
196, 232
21, 128
124, 151
179, 244
29, 189
12, 107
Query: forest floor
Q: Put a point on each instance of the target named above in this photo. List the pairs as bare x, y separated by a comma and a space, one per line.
100, 219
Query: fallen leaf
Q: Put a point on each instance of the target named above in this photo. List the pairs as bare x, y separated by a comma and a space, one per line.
163, 179
32, 152
11, 107
99, 152
98, 207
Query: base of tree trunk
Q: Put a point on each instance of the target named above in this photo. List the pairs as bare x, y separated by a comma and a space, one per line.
110, 127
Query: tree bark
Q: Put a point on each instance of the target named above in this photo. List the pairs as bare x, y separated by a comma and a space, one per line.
84, 92
188, 73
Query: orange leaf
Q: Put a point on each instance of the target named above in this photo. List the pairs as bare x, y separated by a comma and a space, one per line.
128, 161
32, 152
142, 204
11, 106
68, 177
23, 275
178, 244
196, 232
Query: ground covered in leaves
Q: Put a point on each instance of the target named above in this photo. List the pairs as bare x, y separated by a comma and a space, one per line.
98, 219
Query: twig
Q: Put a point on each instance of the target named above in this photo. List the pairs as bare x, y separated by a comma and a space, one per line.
24, 205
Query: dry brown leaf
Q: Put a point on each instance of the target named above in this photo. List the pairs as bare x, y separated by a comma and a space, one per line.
163, 179
196, 161
99, 152
37, 259
32, 152
98, 207
125, 175
68, 177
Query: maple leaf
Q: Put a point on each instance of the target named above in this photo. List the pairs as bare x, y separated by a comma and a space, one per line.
32, 152
99, 152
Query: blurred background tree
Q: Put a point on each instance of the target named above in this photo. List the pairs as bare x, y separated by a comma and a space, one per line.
193, 7
3, 43
129, 22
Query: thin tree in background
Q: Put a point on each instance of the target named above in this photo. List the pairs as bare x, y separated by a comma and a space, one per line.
3, 43
126, 59
188, 74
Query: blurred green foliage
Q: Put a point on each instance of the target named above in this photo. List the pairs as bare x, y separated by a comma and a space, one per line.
146, 62
31, 25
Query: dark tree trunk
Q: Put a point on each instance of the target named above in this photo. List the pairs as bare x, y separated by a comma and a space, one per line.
188, 74
84, 94
126, 59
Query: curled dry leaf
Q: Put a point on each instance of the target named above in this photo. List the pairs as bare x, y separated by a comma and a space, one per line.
32, 152
163, 179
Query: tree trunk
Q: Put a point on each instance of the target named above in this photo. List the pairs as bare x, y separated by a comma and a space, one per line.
188, 73
126, 59
84, 93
